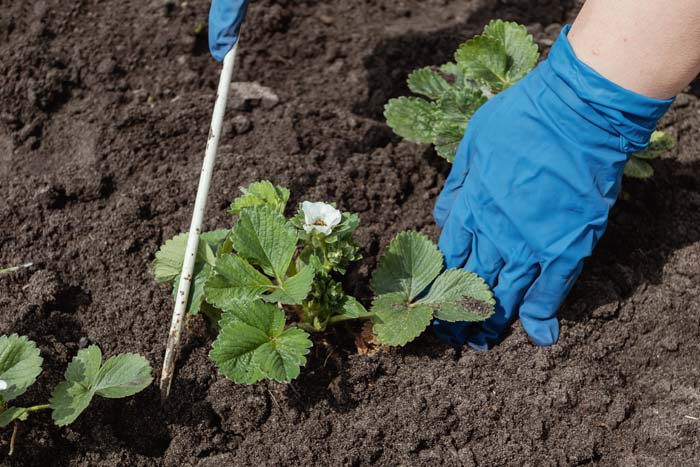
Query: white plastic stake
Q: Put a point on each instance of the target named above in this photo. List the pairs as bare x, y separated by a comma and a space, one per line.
183, 289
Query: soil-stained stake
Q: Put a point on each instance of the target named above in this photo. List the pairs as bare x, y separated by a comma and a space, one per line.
183, 290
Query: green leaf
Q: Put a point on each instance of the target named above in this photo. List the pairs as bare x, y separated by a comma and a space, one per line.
253, 344
500, 57
293, 291
11, 414
411, 118
121, 376
259, 194
214, 238
265, 238
398, 322
458, 106
68, 401
352, 308
519, 45
448, 136
168, 263
484, 60
234, 280
459, 295
281, 358
20, 364
427, 82
410, 264
660, 143
638, 168
71, 397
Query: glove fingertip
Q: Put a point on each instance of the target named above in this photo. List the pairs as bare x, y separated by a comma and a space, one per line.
543, 333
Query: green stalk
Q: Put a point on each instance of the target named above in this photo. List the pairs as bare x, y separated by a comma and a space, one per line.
36, 408
340, 318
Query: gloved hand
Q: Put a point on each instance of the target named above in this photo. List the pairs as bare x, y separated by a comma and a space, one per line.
533, 181
225, 19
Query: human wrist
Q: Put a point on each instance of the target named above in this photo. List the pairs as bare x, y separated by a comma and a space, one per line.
630, 115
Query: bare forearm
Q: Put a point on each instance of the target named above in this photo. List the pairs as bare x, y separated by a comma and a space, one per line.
651, 47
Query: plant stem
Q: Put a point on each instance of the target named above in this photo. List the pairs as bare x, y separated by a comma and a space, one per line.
36, 408
13, 438
341, 318
16, 268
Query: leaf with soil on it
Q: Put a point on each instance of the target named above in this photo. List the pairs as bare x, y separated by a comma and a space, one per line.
411, 264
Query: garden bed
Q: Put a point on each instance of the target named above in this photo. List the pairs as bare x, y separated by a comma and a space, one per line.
104, 112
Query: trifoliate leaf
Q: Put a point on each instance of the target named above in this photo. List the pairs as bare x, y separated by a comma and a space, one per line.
123, 376
234, 280
281, 358
293, 290
638, 168
519, 45
660, 143
20, 364
120, 376
410, 264
459, 295
259, 194
168, 263
265, 238
11, 414
196, 295
398, 322
500, 57
428, 83
411, 118
253, 344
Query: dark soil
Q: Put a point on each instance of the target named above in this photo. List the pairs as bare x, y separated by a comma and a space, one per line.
104, 111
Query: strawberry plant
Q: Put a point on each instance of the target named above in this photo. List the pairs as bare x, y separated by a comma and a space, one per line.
270, 282
86, 377
484, 66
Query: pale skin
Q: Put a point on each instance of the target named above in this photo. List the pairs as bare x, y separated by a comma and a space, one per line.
651, 47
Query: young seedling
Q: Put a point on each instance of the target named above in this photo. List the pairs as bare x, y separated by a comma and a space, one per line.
20, 364
270, 282
484, 66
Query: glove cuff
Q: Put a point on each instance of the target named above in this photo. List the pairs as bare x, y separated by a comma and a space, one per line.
631, 115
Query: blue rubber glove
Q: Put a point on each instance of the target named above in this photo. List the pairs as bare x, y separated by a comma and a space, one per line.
533, 181
225, 19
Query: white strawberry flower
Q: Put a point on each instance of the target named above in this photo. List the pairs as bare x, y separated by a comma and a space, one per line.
3, 385
320, 217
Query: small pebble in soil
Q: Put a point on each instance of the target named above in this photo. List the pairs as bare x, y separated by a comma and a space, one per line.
240, 124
